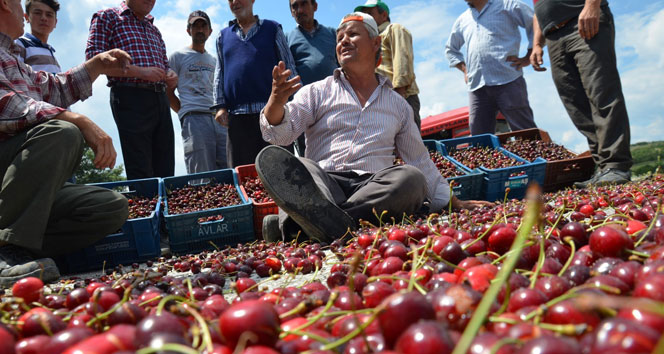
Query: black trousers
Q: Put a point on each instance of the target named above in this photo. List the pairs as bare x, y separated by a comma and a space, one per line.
143, 118
586, 76
245, 140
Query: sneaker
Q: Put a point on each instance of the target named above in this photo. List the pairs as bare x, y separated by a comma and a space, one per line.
17, 263
613, 176
294, 190
592, 180
271, 232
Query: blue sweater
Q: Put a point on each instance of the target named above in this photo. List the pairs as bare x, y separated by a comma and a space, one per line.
248, 65
315, 55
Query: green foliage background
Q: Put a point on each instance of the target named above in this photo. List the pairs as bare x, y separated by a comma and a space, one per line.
88, 173
648, 156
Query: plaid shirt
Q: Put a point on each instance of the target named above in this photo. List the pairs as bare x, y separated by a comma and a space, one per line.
118, 27
28, 98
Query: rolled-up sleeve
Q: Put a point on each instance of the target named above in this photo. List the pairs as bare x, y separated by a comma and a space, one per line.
299, 114
454, 44
402, 57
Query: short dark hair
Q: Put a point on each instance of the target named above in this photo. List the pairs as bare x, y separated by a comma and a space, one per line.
313, 2
54, 4
381, 11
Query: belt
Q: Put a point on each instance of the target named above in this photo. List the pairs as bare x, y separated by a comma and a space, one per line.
154, 87
559, 26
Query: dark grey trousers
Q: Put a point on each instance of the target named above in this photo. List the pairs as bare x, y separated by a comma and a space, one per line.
395, 189
586, 76
511, 99
38, 210
414, 102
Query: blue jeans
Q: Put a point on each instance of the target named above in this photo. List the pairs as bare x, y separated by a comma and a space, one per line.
204, 142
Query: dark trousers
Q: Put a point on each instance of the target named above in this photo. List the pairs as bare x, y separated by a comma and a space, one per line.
38, 210
511, 99
245, 140
414, 102
586, 76
395, 189
143, 118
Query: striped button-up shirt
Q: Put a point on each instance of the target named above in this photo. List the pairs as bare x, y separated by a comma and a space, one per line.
283, 53
490, 36
119, 28
28, 97
342, 135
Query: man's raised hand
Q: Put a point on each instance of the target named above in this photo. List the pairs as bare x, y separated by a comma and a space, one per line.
282, 88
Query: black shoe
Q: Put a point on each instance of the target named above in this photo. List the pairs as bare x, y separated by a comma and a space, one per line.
588, 182
17, 263
294, 190
613, 176
271, 232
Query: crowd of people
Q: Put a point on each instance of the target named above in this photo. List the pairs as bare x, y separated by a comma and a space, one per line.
345, 98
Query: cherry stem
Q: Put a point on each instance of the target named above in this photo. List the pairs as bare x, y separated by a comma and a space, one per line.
497, 260
482, 310
168, 347
650, 227
540, 264
638, 254
572, 245
482, 235
207, 339
312, 320
343, 340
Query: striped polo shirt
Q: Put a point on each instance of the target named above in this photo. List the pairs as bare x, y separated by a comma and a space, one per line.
40, 56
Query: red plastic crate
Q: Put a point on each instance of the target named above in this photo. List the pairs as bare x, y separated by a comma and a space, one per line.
260, 209
559, 174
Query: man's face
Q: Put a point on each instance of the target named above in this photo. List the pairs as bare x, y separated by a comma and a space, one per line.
199, 31
42, 19
354, 45
241, 8
470, 3
373, 12
303, 11
15, 19
141, 7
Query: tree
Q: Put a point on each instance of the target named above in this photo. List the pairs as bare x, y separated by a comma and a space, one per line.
88, 173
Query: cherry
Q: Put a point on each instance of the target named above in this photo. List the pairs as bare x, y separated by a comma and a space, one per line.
646, 318
607, 241
77, 297
127, 313
479, 277
255, 317
67, 338
651, 287
156, 324
576, 231
577, 274
485, 343
372, 343
607, 280
552, 286
32, 345
41, 322
402, 310
618, 335
118, 338
374, 293
501, 239
565, 312
29, 289
626, 272
525, 297
425, 337
548, 344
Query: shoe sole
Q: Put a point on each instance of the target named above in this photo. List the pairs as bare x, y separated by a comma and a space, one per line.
293, 189
269, 230
48, 274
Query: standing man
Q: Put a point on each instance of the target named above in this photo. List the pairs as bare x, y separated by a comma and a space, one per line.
41, 215
247, 50
397, 63
204, 140
312, 46
580, 35
492, 68
138, 95
33, 48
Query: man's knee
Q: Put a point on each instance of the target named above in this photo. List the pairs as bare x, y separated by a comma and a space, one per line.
409, 180
64, 136
112, 210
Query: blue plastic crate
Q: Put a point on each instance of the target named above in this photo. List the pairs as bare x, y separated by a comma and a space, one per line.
187, 235
496, 181
466, 186
137, 242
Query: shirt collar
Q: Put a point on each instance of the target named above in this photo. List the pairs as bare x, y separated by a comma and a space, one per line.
340, 75
125, 10
383, 26
5, 41
316, 28
31, 37
233, 22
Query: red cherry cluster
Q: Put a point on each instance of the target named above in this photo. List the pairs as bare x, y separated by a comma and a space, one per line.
141, 207
532, 149
474, 157
589, 278
189, 199
254, 188
446, 167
